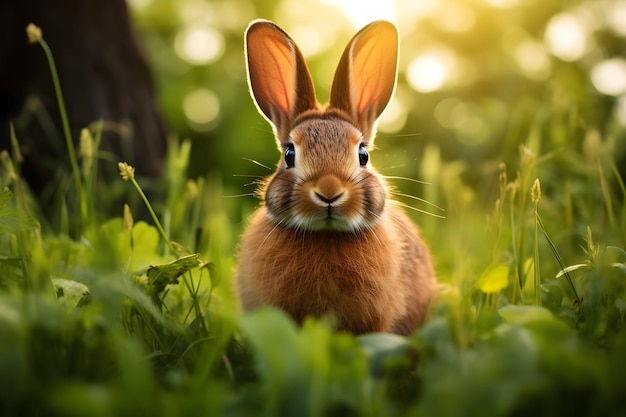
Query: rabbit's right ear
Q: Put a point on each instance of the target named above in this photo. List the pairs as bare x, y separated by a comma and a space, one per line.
366, 75
279, 79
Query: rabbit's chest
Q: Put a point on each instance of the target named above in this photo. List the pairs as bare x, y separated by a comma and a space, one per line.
331, 274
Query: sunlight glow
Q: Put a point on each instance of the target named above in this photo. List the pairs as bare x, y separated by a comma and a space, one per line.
567, 36
533, 60
310, 39
201, 107
430, 71
609, 76
410, 12
502, 3
394, 117
231, 14
199, 45
456, 17
362, 12
196, 12
616, 17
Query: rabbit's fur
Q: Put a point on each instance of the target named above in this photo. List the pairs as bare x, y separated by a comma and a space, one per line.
329, 240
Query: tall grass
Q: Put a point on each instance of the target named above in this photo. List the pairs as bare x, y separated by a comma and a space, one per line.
138, 318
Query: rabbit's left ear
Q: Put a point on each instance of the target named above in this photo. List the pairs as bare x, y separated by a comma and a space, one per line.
366, 75
278, 76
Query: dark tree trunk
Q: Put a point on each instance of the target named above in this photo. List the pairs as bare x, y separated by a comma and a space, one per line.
103, 77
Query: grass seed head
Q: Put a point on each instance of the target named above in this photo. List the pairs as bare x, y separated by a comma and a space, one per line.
535, 191
33, 32
126, 171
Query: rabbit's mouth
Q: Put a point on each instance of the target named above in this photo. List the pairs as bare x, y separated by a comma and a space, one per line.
330, 223
329, 218
330, 208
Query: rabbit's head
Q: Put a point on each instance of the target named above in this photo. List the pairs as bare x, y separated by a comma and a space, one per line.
324, 180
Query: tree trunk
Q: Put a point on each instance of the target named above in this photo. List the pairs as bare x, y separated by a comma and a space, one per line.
103, 77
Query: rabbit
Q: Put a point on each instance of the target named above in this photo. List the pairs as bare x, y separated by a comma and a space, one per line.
329, 240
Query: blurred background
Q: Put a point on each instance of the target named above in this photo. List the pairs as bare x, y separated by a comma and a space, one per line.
477, 78
481, 83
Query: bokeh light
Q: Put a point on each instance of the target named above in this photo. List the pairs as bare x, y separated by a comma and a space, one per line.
461, 117
502, 3
310, 39
533, 60
362, 12
394, 117
609, 76
469, 70
431, 70
201, 107
452, 113
616, 17
199, 45
459, 17
567, 36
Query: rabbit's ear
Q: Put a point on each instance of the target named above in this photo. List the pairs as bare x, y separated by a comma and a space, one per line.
366, 75
278, 76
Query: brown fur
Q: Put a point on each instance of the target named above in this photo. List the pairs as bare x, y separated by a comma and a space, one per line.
329, 241
377, 280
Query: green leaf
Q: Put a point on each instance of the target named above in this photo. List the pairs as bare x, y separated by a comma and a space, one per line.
307, 368
551, 296
494, 279
13, 220
162, 275
515, 314
70, 292
381, 346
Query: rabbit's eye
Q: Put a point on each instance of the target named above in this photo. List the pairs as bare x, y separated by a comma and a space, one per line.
363, 155
290, 156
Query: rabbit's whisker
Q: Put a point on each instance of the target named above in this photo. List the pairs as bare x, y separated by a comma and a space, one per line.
258, 183
257, 163
362, 231
239, 195
247, 176
403, 135
393, 177
418, 199
407, 206
276, 226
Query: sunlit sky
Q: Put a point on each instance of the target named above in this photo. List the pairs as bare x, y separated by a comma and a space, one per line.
362, 12
569, 36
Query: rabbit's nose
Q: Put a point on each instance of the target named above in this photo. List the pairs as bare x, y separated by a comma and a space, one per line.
329, 189
329, 200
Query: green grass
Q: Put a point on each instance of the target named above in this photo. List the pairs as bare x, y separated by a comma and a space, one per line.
125, 317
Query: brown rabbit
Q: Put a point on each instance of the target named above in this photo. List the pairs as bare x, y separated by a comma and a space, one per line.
329, 240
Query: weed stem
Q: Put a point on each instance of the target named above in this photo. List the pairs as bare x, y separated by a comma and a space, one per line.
157, 223
66, 130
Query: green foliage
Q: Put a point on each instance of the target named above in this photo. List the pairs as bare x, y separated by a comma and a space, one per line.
13, 220
107, 316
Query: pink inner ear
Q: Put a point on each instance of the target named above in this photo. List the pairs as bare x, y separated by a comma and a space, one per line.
374, 71
365, 78
272, 72
366, 74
